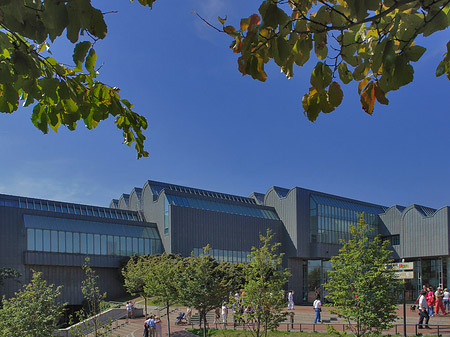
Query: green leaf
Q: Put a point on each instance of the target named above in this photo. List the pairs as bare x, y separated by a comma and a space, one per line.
97, 25
79, 54
438, 22
90, 62
310, 103
55, 18
320, 45
272, 15
380, 95
335, 94
414, 53
345, 75
321, 76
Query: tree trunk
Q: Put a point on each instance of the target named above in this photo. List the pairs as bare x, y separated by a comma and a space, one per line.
168, 318
145, 305
204, 323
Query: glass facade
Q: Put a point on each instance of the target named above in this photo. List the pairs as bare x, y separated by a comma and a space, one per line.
315, 275
330, 219
221, 255
222, 207
166, 217
61, 235
52, 206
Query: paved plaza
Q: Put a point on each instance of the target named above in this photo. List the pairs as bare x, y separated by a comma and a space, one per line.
303, 321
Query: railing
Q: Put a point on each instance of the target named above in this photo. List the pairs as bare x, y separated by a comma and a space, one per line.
398, 329
109, 318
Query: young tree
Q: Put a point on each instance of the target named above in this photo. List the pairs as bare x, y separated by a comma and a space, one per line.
94, 304
134, 274
33, 312
363, 291
202, 284
161, 279
263, 290
372, 42
61, 94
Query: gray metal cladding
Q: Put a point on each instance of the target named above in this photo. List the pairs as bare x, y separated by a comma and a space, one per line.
196, 228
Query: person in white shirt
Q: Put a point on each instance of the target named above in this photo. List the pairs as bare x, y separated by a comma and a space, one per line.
446, 300
224, 313
317, 305
423, 310
291, 300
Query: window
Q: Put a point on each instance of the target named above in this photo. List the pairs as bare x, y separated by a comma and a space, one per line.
166, 216
62, 242
76, 243
104, 246
83, 243
30, 239
90, 243
46, 240
97, 244
39, 240
69, 242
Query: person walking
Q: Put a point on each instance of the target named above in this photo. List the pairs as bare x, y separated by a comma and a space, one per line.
224, 313
439, 295
430, 301
317, 305
423, 310
158, 326
151, 326
291, 300
446, 300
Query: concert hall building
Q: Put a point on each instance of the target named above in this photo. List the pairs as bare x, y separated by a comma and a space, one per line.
54, 237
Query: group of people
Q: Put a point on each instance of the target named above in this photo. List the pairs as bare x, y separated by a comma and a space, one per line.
130, 309
153, 326
430, 303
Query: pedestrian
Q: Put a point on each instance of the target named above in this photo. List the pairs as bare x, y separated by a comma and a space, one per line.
224, 313
317, 305
430, 301
151, 326
291, 300
128, 306
145, 328
158, 326
438, 295
216, 315
132, 309
423, 310
446, 300
188, 315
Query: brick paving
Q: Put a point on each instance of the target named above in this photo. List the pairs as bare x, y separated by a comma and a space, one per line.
303, 321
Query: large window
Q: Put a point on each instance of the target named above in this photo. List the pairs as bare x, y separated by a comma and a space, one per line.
330, 219
87, 243
233, 256
59, 235
222, 207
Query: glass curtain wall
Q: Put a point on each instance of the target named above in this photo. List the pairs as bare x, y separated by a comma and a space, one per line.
330, 219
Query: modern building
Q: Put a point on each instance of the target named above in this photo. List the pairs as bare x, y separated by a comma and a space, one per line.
55, 237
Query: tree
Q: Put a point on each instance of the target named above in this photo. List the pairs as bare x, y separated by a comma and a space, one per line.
6, 273
33, 312
61, 94
202, 284
363, 291
371, 42
263, 290
134, 274
94, 304
161, 279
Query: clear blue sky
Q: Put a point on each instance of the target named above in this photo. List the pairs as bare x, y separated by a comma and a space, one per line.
212, 128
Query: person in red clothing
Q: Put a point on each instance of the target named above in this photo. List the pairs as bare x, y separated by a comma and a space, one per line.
439, 294
430, 301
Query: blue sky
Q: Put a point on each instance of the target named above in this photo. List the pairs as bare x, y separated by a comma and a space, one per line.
212, 128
